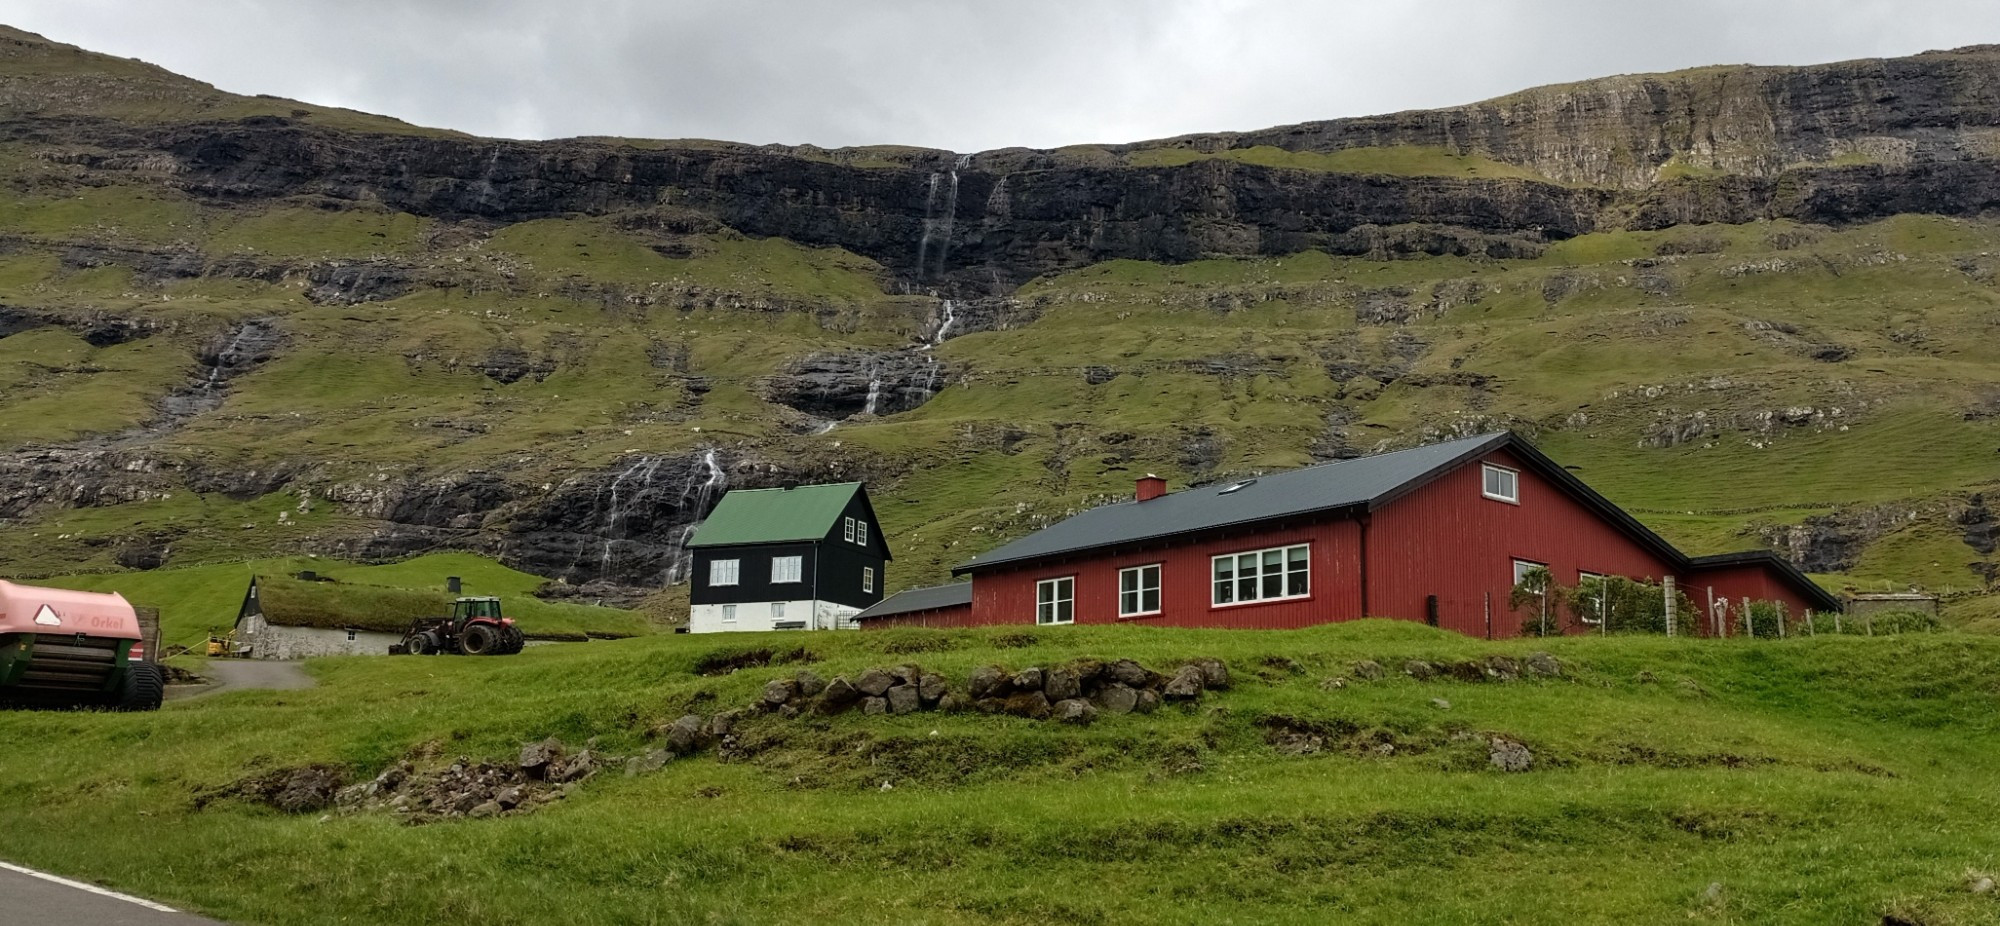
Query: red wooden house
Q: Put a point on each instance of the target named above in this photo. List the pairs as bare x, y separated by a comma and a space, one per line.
1438, 534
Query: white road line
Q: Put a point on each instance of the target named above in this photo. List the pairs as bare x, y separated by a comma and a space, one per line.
92, 888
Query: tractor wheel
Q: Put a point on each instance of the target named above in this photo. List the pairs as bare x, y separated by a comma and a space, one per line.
418, 644
145, 686
515, 639
480, 640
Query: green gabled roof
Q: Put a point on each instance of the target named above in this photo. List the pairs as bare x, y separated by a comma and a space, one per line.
774, 515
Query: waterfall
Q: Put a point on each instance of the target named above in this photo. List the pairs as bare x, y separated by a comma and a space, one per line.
947, 316
874, 390
714, 481
223, 358
938, 225
930, 224
644, 470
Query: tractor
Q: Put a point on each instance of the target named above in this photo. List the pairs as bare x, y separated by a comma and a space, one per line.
61, 648
475, 628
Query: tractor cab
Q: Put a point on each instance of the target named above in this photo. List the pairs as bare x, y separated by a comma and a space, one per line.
476, 609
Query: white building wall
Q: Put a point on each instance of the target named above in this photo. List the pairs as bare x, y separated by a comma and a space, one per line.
272, 642
755, 616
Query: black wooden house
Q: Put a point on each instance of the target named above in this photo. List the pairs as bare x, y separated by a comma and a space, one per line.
795, 558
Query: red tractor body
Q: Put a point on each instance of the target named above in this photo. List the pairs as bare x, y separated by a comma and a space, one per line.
475, 628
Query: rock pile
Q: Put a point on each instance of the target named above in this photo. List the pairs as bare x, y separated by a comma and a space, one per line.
545, 772
300, 789
1494, 668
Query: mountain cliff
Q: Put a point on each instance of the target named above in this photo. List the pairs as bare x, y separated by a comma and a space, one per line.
1749, 302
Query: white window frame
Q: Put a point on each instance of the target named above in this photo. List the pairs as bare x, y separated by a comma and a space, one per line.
1055, 601
1132, 602
777, 610
861, 532
1584, 575
794, 574
1486, 488
723, 572
847, 530
1521, 573
729, 613
352, 634
1226, 590
868, 579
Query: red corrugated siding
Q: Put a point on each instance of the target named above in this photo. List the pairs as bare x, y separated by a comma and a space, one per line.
954, 616
1009, 597
1735, 583
1449, 540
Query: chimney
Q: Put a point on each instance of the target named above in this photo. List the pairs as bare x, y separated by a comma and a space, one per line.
1150, 487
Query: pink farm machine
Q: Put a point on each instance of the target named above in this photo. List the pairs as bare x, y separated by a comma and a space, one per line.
60, 648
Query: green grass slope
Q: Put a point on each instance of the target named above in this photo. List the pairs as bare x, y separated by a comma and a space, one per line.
1812, 781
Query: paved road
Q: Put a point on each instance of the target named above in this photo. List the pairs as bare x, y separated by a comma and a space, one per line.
30, 897
244, 674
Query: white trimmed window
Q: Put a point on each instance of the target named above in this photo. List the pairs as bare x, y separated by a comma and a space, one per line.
729, 612
868, 579
724, 571
1055, 601
1139, 591
861, 532
787, 569
1501, 484
1595, 612
847, 530
1262, 575
1524, 566
777, 610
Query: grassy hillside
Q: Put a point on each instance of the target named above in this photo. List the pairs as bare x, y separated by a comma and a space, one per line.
197, 600
1808, 781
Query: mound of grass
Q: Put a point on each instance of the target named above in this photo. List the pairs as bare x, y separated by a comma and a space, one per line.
1824, 780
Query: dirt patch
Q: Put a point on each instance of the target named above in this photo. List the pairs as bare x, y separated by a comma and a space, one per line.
297, 789
723, 662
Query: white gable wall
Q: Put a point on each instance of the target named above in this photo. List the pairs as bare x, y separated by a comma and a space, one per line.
754, 616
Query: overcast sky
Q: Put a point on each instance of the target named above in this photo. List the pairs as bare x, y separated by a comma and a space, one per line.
963, 75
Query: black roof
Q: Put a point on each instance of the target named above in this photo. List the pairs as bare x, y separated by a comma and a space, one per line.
1341, 488
921, 599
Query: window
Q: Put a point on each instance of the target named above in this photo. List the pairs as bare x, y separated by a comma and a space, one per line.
351, 635
1262, 575
1139, 591
729, 612
861, 532
868, 579
1593, 595
723, 571
1522, 567
1502, 484
787, 569
1055, 601
847, 530
777, 610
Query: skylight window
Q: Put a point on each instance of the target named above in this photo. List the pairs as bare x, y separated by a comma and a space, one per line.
1238, 487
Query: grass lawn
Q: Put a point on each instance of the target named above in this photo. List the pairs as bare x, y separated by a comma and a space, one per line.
1813, 781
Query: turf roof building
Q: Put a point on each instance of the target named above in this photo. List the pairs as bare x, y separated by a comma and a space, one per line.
1439, 534
794, 558
284, 618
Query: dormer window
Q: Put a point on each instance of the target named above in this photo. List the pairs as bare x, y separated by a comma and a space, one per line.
861, 532
847, 530
1501, 484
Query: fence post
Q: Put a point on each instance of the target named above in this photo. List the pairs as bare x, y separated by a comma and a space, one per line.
1781, 618
1489, 615
1749, 628
1836, 622
1667, 589
1811, 631
1715, 625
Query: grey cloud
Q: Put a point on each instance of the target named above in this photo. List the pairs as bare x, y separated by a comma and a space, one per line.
957, 74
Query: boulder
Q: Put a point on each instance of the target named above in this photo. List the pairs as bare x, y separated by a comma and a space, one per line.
931, 687
873, 705
650, 762
838, 696
1214, 673
988, 682
1029, 679
904, 699
1420, 670
1061, 685
906, 675
1031, 704
1441, 704
686, 735
950, 702
1130, 674
1186, 684
485, 809
1074, 710
778, 691
1502, 669
510, 798
575, 768
722, 724
874, 683
1509, 756
1089, 672
1368, 670
1467, 670
1117, 698
1149, 701
1333, 684
536, 757
809, 683
1544, 665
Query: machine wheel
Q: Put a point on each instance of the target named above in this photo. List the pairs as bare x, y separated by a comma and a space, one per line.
515, 639
417, 644
480, 640
145, 686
